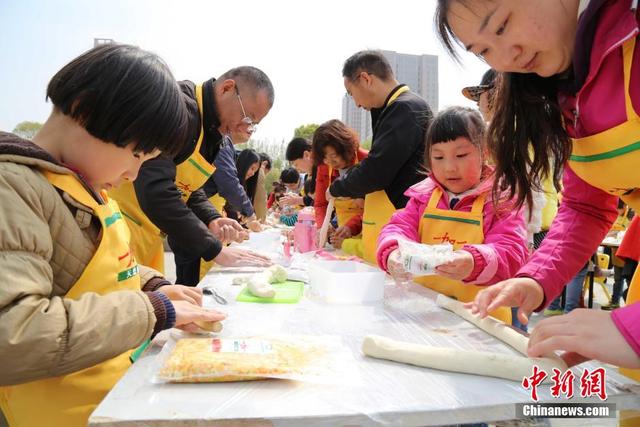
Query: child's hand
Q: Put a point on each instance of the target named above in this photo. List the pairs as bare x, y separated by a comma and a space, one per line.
583, 334
187, 314
182, 293
396, 268
291, 200
521, 292
339, 235
458, 268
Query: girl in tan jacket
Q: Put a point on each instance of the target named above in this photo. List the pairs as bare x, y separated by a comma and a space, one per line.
73, 300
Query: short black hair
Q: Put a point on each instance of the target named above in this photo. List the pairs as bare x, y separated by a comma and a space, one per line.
372, 61
264, 157
252, 76
123, 95
296, 148
453, 123
289, 176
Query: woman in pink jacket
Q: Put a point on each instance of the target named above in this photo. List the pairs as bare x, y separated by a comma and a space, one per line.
454, 205
571, 91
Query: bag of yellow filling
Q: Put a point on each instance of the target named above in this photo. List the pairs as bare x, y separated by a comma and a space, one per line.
194, 360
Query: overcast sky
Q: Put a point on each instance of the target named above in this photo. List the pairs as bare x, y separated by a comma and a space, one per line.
300, 44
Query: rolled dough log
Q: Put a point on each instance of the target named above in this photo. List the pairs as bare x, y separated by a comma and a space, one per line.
490, 325
324, 229
449, 359
209, 326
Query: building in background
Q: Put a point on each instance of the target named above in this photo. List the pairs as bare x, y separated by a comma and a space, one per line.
419, 72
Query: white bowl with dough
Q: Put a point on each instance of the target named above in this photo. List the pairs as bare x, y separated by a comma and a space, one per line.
346, 282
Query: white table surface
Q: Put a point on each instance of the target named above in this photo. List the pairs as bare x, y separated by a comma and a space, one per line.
377, 393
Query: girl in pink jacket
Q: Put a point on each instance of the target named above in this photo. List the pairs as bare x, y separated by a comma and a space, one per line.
571, 91
454, 204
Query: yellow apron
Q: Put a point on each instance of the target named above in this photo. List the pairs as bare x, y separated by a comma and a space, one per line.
346, 208
68, 400
218, 202
146, 238
609, 160
377, 210
439, 226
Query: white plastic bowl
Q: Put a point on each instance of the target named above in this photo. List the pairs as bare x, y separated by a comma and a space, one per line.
346, 282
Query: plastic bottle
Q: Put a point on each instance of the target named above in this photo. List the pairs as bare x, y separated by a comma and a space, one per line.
304, 232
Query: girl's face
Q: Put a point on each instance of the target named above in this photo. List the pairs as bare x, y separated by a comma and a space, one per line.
291, 186
457, 164
333, 159
252, 170
519, 36
102, 165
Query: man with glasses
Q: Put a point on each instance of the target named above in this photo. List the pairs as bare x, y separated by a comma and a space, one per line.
159, 203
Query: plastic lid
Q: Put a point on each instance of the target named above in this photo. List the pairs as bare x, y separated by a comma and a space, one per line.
306, 214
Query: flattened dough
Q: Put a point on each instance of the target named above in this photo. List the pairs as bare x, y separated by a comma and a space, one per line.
497, 365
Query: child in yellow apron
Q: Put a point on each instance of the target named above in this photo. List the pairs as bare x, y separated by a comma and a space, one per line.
72, 303
454, 206
146, 238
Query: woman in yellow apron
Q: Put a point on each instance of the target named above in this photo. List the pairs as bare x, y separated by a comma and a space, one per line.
337, 146
572, 72
72, 303
489, 240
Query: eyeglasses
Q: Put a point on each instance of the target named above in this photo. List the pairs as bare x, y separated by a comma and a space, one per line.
251, 125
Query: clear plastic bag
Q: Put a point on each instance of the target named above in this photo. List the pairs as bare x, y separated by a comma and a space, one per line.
294, 357
420, 259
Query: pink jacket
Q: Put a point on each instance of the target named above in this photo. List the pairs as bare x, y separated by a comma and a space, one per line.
505, 236
586, 213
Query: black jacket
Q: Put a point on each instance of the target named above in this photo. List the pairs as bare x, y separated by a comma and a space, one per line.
158, 195
396, 158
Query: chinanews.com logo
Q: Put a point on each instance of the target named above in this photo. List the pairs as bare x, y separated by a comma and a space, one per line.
592, 383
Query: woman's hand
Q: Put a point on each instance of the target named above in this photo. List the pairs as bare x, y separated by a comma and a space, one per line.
583, 334
521, 292
338, 236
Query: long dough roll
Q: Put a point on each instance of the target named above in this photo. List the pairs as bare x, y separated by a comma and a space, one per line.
448, 359
490, 325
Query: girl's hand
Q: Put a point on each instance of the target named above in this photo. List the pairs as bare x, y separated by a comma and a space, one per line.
396, 268
459, 268
182, 293
583, 334
187, 314
521, 292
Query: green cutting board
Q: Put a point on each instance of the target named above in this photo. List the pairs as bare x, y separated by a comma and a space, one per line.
286, 293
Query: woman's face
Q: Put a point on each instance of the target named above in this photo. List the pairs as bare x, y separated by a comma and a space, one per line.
519, 36
252, 170
333, 159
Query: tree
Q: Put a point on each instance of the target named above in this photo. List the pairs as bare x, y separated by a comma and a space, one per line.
366, 144
27, 130
305, 131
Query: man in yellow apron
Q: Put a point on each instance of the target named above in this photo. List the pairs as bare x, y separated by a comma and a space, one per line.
155, 204
399, 118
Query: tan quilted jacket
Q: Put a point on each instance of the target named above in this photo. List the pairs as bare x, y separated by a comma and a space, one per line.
46, 240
